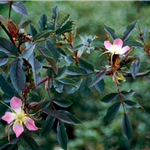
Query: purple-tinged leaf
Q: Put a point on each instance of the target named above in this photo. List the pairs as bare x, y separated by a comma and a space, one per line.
2, 18
135, 66
3, 58
112, 111
27, 142
62, 135
71, 116
59, 116
7, 87
132, 104
135, 44
20, 8
7, 47
62, 102
128, 30
127, 94
17, 75
4, 1
110, 31
126, 127
35, 66
47, 126
4, 142
98, 77
46, 53
110, 97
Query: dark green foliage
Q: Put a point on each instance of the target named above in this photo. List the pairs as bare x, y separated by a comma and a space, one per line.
135, 66
112, 111
62, 135
110, 97
3, 58
126, 127
111, 32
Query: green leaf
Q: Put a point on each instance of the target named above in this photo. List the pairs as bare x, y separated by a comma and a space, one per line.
110, 97
72, 70
7, 47
49, 45
62, 102
84, 88
24, 23
126, 94
58, 86
131, 104
47, 126
66, 28
32, 30
112, 111
61, 71
28, 52
35, 65
71, 89
3, 58
148, 136
42, 22
6, 87
3, 109
4, 1
61, 51
126, 127
79, 47
71, 116
20, 8
5, 143
65, 20
100, 86
17, 75
62, 135
59, 116
69, 82
98, 78
135, 66
42, 34
47, 53
135, 44
13, 147
86, 65
110, 31
28, 143
54, 17
128, 30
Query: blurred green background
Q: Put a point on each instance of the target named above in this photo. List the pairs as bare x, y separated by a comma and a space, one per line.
90, 17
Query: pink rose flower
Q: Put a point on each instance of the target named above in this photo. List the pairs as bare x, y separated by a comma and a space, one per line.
116, 48
18, 117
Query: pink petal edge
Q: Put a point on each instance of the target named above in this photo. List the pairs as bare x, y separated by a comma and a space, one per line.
107, 45
8, 117
30, 124
16, 103
123, 50
118, 42
18, 129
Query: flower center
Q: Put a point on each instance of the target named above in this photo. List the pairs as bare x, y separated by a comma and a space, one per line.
20, 116
114, 49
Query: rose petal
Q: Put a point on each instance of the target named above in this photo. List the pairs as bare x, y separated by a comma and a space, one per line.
16, 103
18, 129
123, 50
8, 117
107, 45
29, 123
118, 42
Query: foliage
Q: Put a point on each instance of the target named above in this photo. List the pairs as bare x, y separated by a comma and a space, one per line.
28, 51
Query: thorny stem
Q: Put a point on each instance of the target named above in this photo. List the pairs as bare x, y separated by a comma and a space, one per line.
51, 99
10, 9
119, 94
